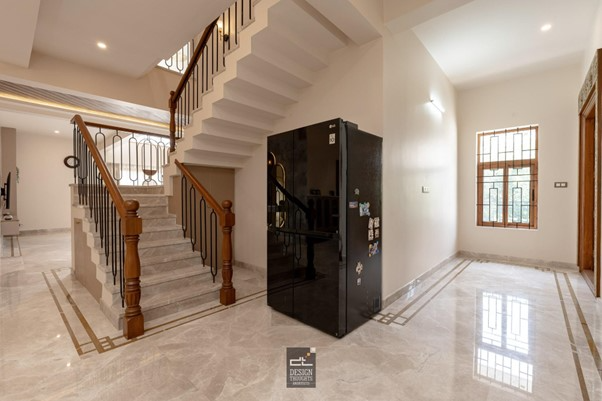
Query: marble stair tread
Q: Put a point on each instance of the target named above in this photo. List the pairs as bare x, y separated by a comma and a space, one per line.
154, 229
168, 258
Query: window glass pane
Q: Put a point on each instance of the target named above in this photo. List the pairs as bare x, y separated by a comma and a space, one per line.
493, 195
519, 195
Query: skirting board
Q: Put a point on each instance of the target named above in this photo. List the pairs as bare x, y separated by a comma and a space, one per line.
412, 284
44, 231
483, 256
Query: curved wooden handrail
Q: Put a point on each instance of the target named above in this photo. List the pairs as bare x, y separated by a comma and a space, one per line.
227, 220
102, 167
175, 95
131, 228
202, 190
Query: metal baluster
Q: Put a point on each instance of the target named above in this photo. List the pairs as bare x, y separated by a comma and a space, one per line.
192, 217
184, 202
203, 229
213, 243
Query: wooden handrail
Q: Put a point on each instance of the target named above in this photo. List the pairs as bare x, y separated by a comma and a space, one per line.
102, 167
175, 95
202, 190
131, 228
227, 220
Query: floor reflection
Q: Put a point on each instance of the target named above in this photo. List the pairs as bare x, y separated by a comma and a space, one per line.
503, 341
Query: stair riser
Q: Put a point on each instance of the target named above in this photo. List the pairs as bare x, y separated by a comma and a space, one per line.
159, 235
169, 309
202, 281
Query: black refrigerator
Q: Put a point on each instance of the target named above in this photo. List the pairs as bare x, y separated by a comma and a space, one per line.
325, 225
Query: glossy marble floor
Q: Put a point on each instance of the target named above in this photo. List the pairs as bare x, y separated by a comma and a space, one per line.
474, 330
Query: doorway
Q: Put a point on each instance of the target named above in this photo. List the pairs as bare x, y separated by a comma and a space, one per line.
588, 252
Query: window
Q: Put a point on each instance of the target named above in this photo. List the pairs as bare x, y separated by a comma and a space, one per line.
507, 177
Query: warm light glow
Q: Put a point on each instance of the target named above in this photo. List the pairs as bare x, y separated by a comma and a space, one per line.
56, 131
101, 45
546, 27
82, 110
437, 105
220, 24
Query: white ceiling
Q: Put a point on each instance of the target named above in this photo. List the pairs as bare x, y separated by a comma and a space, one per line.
483, 40
474, 41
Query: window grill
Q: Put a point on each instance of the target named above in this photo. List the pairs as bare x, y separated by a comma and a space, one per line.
507, 177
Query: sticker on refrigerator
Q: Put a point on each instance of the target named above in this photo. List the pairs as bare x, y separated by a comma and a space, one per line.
359, 268
332, 138
359, 281
357, 191
373, 249
376, 222
377, 233
370, 235
370, 223
364, 209
353, 205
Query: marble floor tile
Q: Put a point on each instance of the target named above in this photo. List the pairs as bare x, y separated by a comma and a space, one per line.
473, 330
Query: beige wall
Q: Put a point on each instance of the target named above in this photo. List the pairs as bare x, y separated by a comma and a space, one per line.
550, 100
44, 197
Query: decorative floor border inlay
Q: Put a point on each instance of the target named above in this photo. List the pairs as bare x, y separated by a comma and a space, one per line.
401, 319
85, 339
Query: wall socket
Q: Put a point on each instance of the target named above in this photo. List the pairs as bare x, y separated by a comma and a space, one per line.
426, 190
561, 184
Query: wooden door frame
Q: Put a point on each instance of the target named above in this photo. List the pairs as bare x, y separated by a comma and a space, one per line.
589, 203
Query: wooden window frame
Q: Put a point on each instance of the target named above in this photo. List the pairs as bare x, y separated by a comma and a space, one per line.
505, 166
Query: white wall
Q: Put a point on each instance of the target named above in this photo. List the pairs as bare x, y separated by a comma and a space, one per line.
384, 87
44, 197
420, 229
594, 43
550, 100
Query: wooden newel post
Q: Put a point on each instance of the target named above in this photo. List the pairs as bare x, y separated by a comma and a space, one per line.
133, 320
172, 122
227, 294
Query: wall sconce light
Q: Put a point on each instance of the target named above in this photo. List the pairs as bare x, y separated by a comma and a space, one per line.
437, 105
220, 29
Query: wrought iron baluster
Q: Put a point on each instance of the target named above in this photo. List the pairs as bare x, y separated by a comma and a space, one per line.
213, 243
203, 229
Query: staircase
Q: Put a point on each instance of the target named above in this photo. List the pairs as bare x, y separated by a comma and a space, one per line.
278, 57
172, 276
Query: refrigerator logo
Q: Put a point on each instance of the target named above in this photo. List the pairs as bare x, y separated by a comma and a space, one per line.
332, 138
301, 367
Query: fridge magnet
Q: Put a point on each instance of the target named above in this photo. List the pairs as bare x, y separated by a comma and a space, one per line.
370, 223
373, 249
370, 235
364, 209
377, 233
357, 191
359, 281
376, 222
353, 205
359, 268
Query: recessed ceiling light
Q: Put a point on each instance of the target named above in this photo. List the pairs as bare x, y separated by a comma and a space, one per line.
546, 27
101, 45
56, 131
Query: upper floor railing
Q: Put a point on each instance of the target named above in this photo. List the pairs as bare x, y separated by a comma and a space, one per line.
207, 60
116, 220
132, 157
